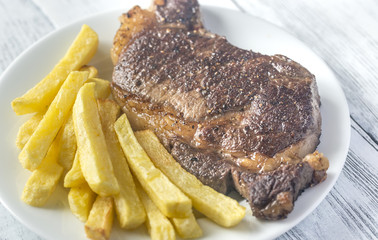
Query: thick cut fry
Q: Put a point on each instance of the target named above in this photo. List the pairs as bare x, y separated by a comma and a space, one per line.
187, 227
27, 129
74, 176
81, 199
102, 88
167, 197
68, 148
37, 146
100, 220
44, 179
95, 162
40, 96
158, 225
92, 71
129, 209
223, 210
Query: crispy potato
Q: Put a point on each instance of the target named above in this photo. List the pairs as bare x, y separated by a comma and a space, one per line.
27, 129
92, 71
158, 226
43, 181
74, 177
223, 210
95, 162
81, 199
37, 146
102, 88
100, 220
129, 209
187, 227
167, 197
68, 146
41, 95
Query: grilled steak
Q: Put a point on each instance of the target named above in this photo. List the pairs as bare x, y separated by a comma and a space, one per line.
233, 118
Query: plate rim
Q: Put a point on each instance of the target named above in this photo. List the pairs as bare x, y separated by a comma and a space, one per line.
46, 37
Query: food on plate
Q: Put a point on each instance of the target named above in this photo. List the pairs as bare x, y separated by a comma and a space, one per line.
102, 87
68, 145
157, 223
81, 199
187, 227
95, 162
231, 117
171, 201
43, 181
100, 220
92, 71
223, 210
27, 129
38, 98
74, 177
129, 208
37, 146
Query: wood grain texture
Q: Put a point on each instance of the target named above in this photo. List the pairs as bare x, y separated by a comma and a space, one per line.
344, 33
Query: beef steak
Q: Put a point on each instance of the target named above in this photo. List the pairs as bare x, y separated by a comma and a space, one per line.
232, 117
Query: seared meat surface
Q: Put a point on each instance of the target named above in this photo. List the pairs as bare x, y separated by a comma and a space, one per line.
232, 117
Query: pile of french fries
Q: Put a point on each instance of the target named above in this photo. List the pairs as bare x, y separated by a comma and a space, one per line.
77, 137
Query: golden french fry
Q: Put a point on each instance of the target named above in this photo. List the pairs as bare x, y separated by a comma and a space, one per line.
92, 71
41, 95
102, 88
37, 146
27, 129
95, 162
187, 227
43, 181
167, 197
223, 210
68, 148
159, 227
81, 199
100, 220
74, 176
129, 209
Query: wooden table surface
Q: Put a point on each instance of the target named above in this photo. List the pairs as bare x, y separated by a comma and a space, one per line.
344, 33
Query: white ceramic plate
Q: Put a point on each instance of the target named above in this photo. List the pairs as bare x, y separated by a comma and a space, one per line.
54, 221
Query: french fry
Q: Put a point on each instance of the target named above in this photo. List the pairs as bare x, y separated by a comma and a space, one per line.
81, 199
158, 226
74, 177
43, 181
100, 220
69, 146
102, 88
95, 162
167, 197
92, 71
38, 98
27, 129
37, 146
129, 209
223, 210
187, 227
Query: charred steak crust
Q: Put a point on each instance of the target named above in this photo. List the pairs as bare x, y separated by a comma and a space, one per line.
270, 96
208, 167
271, 195
232, 117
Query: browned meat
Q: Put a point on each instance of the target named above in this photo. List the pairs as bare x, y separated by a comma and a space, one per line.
223, 112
